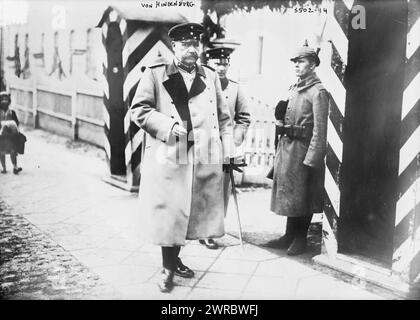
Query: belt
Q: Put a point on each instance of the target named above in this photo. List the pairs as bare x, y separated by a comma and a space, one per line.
296, 132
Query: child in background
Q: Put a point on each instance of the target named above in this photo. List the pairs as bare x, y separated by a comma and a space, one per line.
11, 140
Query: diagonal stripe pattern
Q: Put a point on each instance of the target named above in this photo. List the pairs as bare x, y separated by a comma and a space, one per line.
142, 45
406, 253
141, 48
332, 77
105, 87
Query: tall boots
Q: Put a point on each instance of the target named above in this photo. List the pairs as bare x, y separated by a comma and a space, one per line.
169, 256
301, 226
172, 265
294, 239
285, 241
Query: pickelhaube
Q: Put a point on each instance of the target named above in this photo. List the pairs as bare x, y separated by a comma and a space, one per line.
186, 31
306, 52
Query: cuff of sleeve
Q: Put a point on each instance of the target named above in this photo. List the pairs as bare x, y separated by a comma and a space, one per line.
311, 162
160, 126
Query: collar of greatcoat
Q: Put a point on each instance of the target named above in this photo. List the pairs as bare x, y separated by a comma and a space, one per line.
175, 85
307, 82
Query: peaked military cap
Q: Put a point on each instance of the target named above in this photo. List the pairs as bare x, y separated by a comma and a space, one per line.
185, 31
306, 52
221, 53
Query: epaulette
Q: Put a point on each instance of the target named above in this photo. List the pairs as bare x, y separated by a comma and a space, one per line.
156, 65
204, 65
320, 86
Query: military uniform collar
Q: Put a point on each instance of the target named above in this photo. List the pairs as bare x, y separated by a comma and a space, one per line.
307, 82
172, 69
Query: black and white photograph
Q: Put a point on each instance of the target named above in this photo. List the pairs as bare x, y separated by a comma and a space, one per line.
233, 151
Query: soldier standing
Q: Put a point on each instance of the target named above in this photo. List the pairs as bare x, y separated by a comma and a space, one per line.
181, 108
299, 161
239, 112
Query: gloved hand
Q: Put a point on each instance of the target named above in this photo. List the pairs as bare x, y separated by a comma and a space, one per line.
280, 109
178, 130
234, 164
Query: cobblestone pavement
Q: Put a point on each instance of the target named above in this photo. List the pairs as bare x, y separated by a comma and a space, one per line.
32, 266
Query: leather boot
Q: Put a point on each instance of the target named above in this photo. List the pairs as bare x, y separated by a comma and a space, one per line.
284, 241
298, 246
166, 282
182, 270
299, 243
209, 243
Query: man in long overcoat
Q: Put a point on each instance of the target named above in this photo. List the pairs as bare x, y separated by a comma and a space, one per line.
299, 162
239, 112
189, 133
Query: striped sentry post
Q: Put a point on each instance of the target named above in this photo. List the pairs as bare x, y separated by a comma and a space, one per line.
105, 86
332, 76
142, 44
142, 47
406, 254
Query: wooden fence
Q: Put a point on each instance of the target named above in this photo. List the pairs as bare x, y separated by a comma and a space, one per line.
76, 113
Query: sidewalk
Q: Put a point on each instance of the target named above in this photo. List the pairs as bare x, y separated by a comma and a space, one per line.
60, 192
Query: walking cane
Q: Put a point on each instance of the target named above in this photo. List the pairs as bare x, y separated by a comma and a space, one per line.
235, 198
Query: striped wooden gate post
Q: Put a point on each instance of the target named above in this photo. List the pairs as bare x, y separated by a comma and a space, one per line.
332, 76
142, 47
406, 255
111, 103
404, 271
143, 43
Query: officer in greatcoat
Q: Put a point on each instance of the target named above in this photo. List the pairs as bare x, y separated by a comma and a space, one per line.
181, 107
299, 162
239, 112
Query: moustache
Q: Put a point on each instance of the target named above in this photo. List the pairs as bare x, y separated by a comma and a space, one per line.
192, 55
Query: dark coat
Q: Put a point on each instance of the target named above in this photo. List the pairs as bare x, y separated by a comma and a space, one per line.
11, 140
181, 198
299, 163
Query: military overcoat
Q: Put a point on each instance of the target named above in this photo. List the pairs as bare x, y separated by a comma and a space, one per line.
181, 187
241, 118
299, 163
